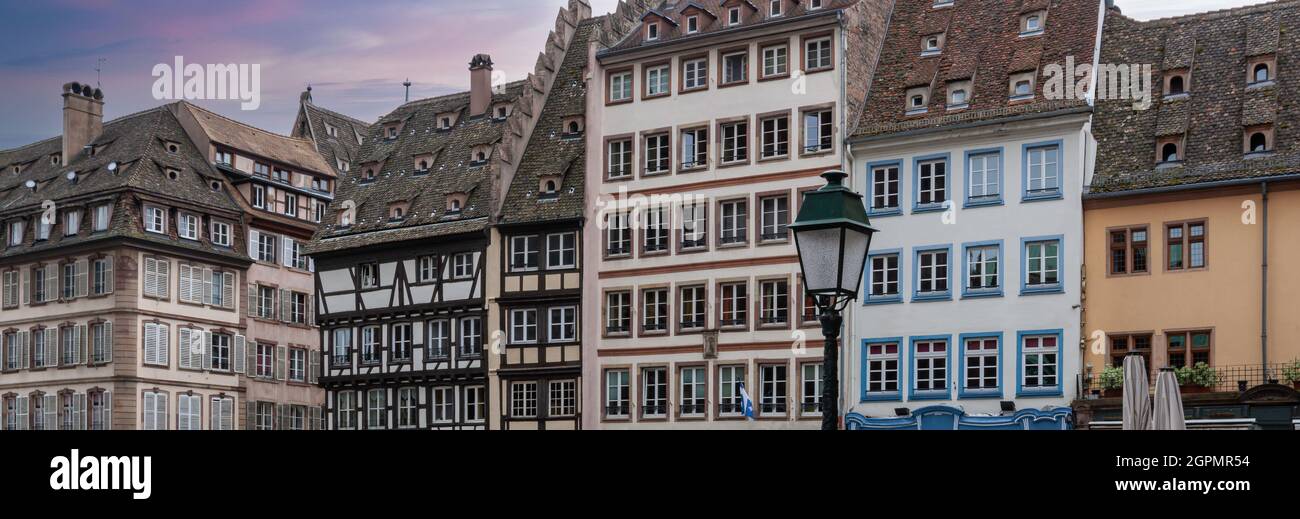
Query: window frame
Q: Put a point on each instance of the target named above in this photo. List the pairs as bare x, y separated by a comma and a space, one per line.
933, 295
882, 395
986, 199
913, 356
917, 164
868, 280
1186, 243
1059, 388
1043, 288
897, 208
723, 54
967, 292
1128, 248
629, 88
805, 41
1045, 194
964, 392
665, 68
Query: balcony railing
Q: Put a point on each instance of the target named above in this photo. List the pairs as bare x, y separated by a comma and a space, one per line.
1226, 379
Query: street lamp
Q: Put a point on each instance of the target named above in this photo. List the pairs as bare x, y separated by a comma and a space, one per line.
832, 235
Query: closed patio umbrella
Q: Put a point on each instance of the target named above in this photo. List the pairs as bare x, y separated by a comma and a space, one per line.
1168, 412
1137, 401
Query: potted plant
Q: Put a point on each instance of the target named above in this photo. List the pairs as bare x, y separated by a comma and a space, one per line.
1112, 382
1292, 374
1200, 378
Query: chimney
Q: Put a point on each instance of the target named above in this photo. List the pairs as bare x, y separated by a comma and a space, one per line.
83, 118
480, 85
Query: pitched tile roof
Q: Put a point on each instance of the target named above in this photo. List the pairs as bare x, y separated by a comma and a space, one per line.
983, 44
345, 145
715, 21
1220, 105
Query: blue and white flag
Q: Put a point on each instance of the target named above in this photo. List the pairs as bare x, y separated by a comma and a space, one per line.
746, 403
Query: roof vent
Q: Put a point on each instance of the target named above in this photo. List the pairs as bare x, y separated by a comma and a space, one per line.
31, 184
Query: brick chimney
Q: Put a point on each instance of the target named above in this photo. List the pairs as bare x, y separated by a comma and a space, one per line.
480, 85
83, 118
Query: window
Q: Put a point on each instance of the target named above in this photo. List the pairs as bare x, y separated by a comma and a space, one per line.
70, 345
11, 289
984, 179
402, 340
620, 87
561, 251
695, 148
775, 8
345, 410
980, 365
563, 324
657, 80
651, 33
932, 44
462, 265
733, 16
735, 68
156, 278
1259, 141
1031, 24
930, 367
656, 231
773, 389
983, 270
734, 304
775, 137
731, 379
818, 54
1169, 152
818, 131
408, 407
100, 403
264, 357
884, 277
16, 232
69, 285
695, 73
523, 326
1124, 345
695, 226
523, 399
265, 246
265, 418
1043, 173
475, 404
811, 394
1128, 251
101, 277
1039, 360
224, 157
291, 204
775, 218
617, 393
932, 274
658, 156
885, 188
370, 346
618, 312
618, 235
221, 234
428, 269
1042, 266
377, 409
776, 61
259, 196
154, 411
444, 405
219, 352
523, 253
654, 310
693, 389
155, 219
1177, 85
692, 24
189, 409
342, 352
1185, 245
43, 229
734, 219
71, 222
15, 349
620, 159
1021, 89
439, 339
958, 98
101, 342
735, 142
932, 183
774, 296
693, 307
471, 336
1187, 349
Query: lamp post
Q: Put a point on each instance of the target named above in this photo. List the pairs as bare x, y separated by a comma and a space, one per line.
832, 235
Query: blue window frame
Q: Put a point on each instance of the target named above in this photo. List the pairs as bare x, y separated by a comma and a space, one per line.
1041, 167
932, 273
984, 177
1041, 266
930, 361
982, 272
885, 188
883, 280
882, 374
1038, 363
931, 182
979, 364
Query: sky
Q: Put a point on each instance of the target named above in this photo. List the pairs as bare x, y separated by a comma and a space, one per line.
354, 54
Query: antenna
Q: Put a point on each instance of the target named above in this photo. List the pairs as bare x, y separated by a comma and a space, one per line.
407, 84
99, 68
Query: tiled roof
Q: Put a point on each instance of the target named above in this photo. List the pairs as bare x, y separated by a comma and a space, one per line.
983, 44
550, 152
714, 19
1220, 105
296, 152
345, 145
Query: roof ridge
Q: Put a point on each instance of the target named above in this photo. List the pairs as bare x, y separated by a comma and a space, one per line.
315, 106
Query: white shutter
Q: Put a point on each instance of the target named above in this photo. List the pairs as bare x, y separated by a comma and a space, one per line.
228, 290
251, 310
150, 411
311, 311
51, 347
164, 279
184, 356
161, 416
280, 353
23, 419
108, 411
163, 347
24, 349
26, 286
52, 283
82, 357
185, 283
206, 283
51, 412
227, 414
313, 373
183, 413
253, 238
286, 256
109, 282
150, 268
108, 341
240, 354
202, 343
82, 269
79, 411
286, 304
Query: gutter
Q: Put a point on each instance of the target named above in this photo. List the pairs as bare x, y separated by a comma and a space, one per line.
1263, 270
1191, 187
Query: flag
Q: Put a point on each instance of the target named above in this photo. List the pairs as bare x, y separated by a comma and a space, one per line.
746, 403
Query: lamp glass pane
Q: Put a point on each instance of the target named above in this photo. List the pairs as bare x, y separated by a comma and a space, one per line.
820, 251
855, 255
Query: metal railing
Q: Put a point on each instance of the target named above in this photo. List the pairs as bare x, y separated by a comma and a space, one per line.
1226, 378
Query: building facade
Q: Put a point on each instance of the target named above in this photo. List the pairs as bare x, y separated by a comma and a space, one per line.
972, 167
1187, 217
712, 119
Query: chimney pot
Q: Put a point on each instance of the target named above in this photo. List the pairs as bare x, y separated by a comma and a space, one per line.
83, 118
480, 84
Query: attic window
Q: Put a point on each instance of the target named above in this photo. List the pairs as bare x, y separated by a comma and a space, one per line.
733, 16
652, 31
548, 187
1169, 149
692, 24
171, 148
345, 219
918, 100
814, 5
332, 131
959, 94
422, 164
391, 132
775, 9
1176, 83
444, 123
1021, 86
480, 155
370, 175
1031, 24
573, 126
216, 186
456, 203
173, 174
398, 211
1259, 70
54, 159
1259, 139
942, 3
932, 44
503, 111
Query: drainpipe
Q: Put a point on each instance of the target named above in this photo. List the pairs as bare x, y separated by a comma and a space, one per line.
1263, 302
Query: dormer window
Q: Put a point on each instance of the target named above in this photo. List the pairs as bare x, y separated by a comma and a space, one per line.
224, 157
1176, 83
1021, 86
959, 94
480, 155
1259, 139
652, 31
444, 122
456, 203
1169, 150
332, 131
733, 16
1260, 70
397, 211
548, 187
814, 5
573, 126
370, 175
942, 3
391, 132
692, 24
502, 111
918, 100
932, 45
345, 219
775, 9
1031, 24
422, 163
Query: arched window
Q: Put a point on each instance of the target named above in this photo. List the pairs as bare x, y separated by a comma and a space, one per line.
1169, 152
573, 126
1258, 142
1176, 85
550, 186
1261, 72
455, 206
